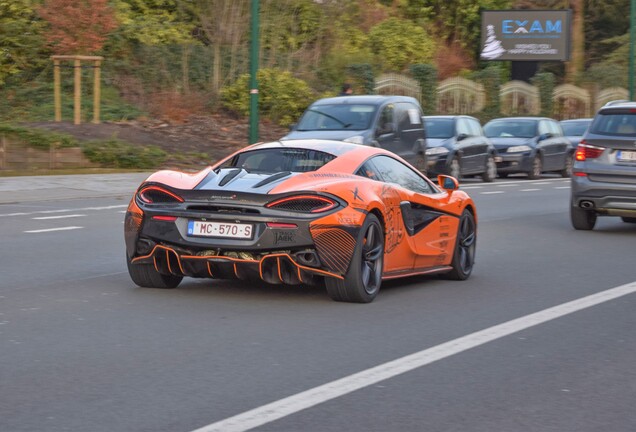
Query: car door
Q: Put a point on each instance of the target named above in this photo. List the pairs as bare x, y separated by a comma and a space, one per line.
410, 130
424, 234
482, 145
468, 144
552, 147
386, 130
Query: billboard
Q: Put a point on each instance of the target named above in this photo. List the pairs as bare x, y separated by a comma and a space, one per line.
525, 35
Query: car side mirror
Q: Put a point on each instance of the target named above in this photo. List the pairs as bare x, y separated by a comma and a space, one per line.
447, 183
545, 136
462, 136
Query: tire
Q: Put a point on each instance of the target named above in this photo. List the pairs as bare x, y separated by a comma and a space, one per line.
629, 219
465, 246
569, 164
146, 276
364, 277
536, 168
582, 219
491, 170
455, 168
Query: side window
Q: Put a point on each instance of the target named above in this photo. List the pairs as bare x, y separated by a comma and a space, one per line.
544, 127
368, 170
396, 172
556, 129
385, 122
475, 128
463, 127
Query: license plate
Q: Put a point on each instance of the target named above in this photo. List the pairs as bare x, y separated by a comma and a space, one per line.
220, 229
626, 156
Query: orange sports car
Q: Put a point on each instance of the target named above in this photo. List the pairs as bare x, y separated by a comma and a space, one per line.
301, 212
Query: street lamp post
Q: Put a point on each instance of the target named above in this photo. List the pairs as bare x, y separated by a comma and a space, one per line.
632, 17
253, 134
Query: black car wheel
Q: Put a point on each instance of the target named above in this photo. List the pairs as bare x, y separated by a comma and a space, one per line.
536, 168
629, 219
464, 255
569, 164
582, 219
455, 169
145, 275
362, 281
491, 170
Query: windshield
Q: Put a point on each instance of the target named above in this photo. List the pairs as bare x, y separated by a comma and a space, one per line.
614, 123
511, 128
575, 128
439, 128
337, 117
275, 160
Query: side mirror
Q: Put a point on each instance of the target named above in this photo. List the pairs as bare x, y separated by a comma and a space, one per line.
462, 136
545, 136
447, 183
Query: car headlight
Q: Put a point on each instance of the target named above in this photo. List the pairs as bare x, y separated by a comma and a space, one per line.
436, 151
517, 149
358, 139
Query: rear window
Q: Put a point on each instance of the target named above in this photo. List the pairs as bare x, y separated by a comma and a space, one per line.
276, 160
619, 123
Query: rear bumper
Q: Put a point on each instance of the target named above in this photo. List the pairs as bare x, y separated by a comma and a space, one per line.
606, 198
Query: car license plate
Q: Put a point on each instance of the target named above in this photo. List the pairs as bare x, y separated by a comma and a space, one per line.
626, 156
220, 229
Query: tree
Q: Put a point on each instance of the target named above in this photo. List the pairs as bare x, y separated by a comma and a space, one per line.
77, 26
20, 38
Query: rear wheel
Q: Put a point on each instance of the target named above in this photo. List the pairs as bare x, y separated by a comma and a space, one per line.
362, 281
464, 255
491, 170
569, 164
629, 219
582, 219
536, 168
145, 275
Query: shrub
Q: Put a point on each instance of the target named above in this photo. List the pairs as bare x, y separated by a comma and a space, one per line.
282, 98
118, 154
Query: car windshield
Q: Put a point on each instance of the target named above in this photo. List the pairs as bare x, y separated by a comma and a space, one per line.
275, 160
439, 127
511, 128
574, 128
614, 123
337, 117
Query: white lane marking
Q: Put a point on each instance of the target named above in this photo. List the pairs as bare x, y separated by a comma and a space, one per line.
58, 217
508, 185
562, 187
492, 192
54, 229
309, 398
64, 210
529, 190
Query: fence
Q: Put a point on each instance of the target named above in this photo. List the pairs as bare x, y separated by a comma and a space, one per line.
17, 156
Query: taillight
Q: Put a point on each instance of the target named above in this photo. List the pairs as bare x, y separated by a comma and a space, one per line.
586, 151
134, 218
304, 204
158, 195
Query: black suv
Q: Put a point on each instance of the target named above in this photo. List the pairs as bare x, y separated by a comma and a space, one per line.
604, 179
393, 123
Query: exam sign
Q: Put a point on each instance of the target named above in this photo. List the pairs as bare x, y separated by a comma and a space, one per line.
530, 35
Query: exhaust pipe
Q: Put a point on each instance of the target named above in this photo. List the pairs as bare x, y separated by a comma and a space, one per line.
587, 204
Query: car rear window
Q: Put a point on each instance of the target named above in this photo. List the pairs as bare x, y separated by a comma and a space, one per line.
615, 122
277, 160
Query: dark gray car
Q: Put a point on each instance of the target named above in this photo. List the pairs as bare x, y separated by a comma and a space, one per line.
604, 179
531, 145
456, 146
574, 129
393, 123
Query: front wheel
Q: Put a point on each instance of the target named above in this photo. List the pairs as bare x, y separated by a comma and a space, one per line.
464, 254
536, 168
582, 219
362, 281
145, 275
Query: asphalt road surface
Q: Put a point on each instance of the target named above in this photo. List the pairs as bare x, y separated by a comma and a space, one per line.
542, 337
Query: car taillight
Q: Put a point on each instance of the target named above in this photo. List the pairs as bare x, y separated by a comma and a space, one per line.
134, 218
304, 204
586, 151
158, 195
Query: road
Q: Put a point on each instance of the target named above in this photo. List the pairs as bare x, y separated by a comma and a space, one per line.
83, 349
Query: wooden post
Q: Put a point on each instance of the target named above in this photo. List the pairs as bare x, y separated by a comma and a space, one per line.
56, 90
96, 92
78, 91
3, 152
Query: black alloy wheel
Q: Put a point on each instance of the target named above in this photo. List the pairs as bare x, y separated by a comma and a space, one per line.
465, 246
